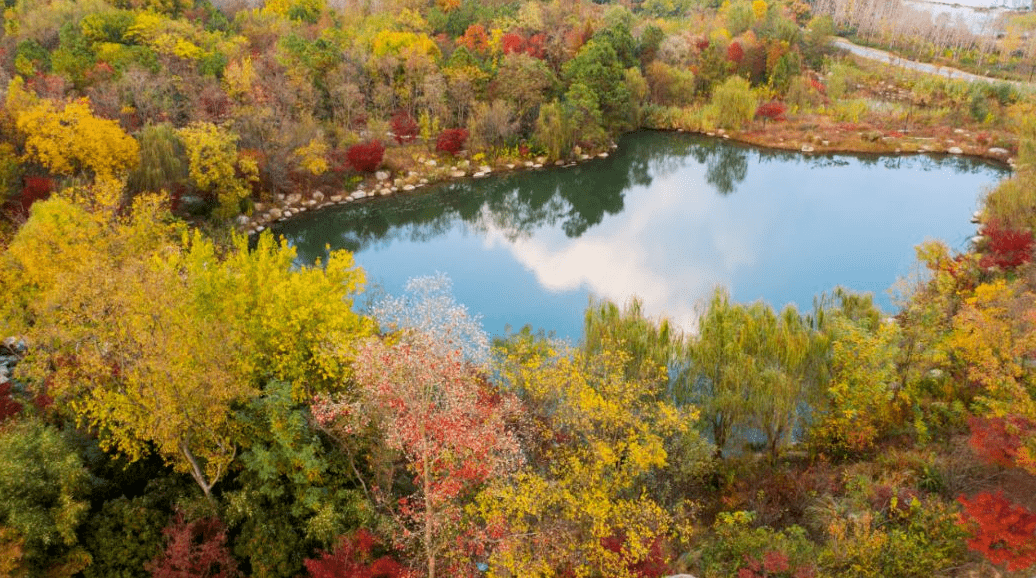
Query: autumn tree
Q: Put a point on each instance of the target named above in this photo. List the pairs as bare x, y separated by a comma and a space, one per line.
594, 437
114, 298
194, 549
449, 426
216, 168
354, 558
55, 137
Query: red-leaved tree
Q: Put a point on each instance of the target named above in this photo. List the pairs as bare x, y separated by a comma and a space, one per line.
404, 127
1004, 533
735, 53
451, 140
195, 549
772, 110
512, 43
449, 426
1008, 248
366, 156
353, 559
475, 38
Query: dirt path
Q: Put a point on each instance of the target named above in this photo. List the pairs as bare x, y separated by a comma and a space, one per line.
895, 60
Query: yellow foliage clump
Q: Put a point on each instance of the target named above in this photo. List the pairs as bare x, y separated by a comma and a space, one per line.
604, 434
216, 166
69, 140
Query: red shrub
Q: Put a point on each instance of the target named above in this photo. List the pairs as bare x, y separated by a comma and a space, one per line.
451, 140
404, 127
1002, 532
352, 559
817, 86
735, 53
1008, 248
772, 110
365, 157
8, 406
998, 439
195, 549
701, 43
654, 563
35, 189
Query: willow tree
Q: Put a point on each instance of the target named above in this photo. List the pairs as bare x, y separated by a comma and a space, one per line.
651, 345
750, 368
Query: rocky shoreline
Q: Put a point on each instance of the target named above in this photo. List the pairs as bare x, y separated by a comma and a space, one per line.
384, 183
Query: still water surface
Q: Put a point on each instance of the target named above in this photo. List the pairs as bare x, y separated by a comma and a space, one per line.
667, 217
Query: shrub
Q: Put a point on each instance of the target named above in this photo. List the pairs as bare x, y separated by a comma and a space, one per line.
365, 157
353, 559
734, 103
195, 549
404, 127
739, 550
451, 140
772, 110
1002, 532
1008, 248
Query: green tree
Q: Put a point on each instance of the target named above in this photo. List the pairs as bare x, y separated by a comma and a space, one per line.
598, 67
43, 497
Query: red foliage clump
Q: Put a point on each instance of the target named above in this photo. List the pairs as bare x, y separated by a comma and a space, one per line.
35, 189
8, 406
1003, 532
195, 549
404, 127
998, 439
1008, 248
773, 565
772, 110
512, 43
352, 559
654, 563
365, 157
451, 140
475, 38
817, 86
735, 53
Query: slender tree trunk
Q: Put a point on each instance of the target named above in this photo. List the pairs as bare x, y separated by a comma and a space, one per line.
196, 472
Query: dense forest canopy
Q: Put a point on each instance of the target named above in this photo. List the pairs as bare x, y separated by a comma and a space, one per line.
178, 398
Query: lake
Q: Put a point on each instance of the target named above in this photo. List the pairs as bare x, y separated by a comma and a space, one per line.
667, 217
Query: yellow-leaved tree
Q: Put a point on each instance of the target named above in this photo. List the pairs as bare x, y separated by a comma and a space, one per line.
581, 506
215, 166
152, 335
69, 140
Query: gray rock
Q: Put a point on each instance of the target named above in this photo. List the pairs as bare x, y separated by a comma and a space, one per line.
998, 151
408, 187
318, 196
275, 213
241, 220
381, 175
955, 151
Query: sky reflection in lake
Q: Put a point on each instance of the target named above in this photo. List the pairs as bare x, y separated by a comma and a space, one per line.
668, 217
